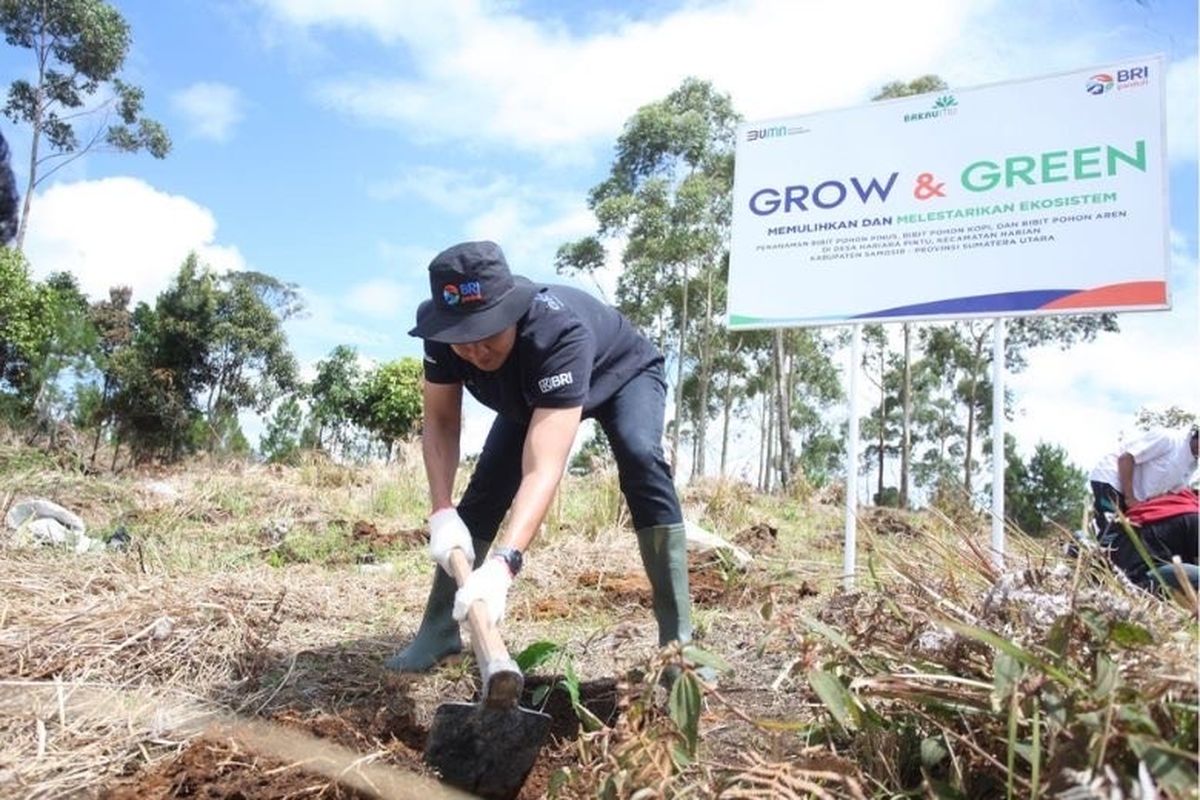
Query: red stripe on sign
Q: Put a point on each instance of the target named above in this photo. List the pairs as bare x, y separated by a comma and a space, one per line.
1134, 293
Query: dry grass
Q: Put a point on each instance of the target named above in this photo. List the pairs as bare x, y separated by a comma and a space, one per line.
242, 603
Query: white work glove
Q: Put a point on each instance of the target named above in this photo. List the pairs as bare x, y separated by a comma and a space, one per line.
490, 584
446, 532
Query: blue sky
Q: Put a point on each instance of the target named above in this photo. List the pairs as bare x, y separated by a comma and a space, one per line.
340, 144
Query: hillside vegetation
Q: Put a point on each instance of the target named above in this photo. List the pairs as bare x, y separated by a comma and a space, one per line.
233, 648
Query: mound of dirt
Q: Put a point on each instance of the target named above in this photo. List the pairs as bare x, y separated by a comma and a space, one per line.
224, 771
758, 538
889, 521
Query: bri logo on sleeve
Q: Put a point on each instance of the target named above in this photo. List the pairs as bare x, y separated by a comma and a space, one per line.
552, 382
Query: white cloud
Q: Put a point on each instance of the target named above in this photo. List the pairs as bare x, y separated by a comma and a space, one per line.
1183, 93
484, 75
456, 191
494, 76
121, 231
211, 110
380, 298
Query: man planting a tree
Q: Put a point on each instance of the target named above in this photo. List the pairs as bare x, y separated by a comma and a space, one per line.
543, 358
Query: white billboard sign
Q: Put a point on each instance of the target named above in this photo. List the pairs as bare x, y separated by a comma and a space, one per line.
1028, 197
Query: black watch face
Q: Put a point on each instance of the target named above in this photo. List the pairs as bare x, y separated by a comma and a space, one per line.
513, 558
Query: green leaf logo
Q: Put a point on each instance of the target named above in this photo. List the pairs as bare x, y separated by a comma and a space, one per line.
945, 101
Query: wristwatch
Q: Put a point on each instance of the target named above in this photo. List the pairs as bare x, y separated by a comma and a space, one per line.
510, 556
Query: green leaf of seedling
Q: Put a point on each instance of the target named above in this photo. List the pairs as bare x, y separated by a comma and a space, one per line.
1137, 716
767, 610
571, 683
591, 723
536, 654
1097, 622
1006, 646
1059, 636
829, 633
558, 781
837, 698
704, 658
539, 694
1108, 677
1173, 769
684, 708
1129, 635
1008, 672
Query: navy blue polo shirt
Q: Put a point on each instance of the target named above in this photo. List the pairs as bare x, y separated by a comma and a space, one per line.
571, 350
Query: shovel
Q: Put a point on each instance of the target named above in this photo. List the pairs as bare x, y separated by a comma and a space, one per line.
486, 748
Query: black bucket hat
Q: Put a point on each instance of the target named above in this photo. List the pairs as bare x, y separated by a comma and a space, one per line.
473, 295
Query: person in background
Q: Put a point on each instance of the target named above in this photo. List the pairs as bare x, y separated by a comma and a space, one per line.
543, 358
1166, 528
8, 196
1156, 462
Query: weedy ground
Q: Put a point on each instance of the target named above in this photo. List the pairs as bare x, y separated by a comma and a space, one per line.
234, 649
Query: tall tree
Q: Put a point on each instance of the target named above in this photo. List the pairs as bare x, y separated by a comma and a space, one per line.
667, 197
166, 368
113, 321
78, 48
390, 404
335, 394
1046, 491
960, 353
280, 442
248, 361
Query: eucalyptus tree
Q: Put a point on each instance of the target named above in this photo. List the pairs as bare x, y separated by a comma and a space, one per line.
667, 200
961, 353
78, 49
248, 362
113, 320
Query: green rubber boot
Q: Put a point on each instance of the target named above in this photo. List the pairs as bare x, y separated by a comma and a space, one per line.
664, 554
438, 636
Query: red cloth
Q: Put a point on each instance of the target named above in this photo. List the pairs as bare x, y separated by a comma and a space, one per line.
1165, 506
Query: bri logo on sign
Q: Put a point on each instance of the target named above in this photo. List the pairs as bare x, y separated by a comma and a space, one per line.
465, 292
1131, 78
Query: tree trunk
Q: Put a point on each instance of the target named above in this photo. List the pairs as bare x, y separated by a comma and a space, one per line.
906, 430
973, 387
698, 467
100, 422
36, 125
768, 443
683, 329
882, 417
783, 413
727, 411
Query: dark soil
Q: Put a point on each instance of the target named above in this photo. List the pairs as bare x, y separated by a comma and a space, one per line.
226, 770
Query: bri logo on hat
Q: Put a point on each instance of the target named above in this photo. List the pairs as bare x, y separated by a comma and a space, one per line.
465, 292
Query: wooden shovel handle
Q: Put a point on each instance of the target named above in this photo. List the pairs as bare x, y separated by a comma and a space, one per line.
494, 661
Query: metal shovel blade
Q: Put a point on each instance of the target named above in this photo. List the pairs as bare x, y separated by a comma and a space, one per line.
486, 751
